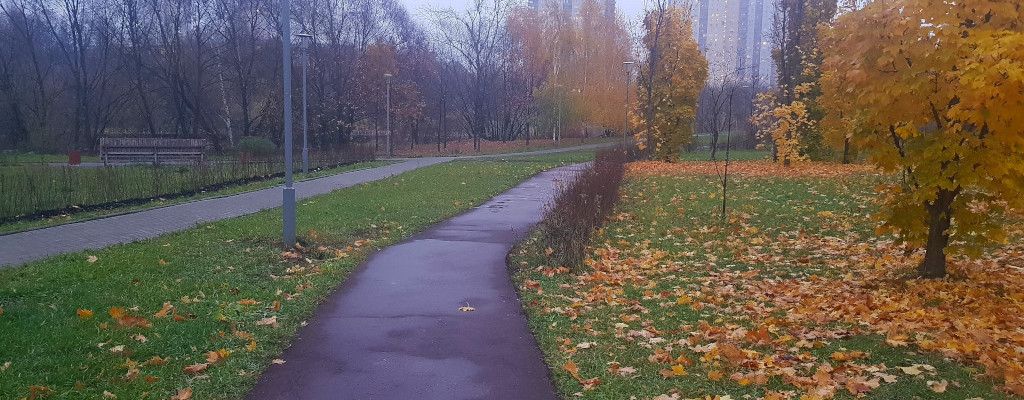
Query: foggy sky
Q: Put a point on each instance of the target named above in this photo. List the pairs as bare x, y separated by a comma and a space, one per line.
631, 8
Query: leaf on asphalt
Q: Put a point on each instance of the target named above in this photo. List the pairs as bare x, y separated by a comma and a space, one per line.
277, 361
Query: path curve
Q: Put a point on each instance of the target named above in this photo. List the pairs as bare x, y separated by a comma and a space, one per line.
393, 330
22, 247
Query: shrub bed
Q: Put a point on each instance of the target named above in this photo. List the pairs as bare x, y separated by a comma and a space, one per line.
581, 207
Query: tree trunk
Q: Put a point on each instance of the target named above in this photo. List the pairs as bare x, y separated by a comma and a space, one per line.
940, 218
846, 151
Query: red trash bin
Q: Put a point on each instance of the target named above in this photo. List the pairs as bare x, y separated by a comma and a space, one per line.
75, 157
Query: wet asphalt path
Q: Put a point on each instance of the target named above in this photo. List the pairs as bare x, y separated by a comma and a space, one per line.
394, 330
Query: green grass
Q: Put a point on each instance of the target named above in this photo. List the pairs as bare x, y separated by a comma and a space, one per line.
71, 215
221, 263
703, 244
18, 158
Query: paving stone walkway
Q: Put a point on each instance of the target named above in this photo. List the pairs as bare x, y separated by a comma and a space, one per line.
19, 248
393, 330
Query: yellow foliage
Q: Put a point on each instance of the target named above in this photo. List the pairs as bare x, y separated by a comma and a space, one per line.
672, 93
934, 91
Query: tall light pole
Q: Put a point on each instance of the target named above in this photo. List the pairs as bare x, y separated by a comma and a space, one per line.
289, 190
305, 116
625, 126
558, 137
387, 77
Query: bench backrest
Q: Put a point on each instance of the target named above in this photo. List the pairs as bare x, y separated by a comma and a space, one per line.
152, 149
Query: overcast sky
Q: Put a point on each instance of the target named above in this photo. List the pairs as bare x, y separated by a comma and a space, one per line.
631, 8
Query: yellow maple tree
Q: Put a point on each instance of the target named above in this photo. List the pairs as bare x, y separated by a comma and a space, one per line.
669, 96
936, 93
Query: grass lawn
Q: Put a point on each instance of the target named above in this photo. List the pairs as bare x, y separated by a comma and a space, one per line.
16, 158
208, 308
71, 215
792, 297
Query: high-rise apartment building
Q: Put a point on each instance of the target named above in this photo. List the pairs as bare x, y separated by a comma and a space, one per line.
573, 6
733, 38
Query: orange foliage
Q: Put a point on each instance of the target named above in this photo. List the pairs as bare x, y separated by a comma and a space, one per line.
747, 169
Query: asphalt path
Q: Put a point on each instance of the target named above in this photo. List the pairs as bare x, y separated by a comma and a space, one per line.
394, 329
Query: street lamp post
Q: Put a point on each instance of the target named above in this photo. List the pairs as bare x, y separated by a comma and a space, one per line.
387, 77
558, 137
625, 125
305, 117
288, 202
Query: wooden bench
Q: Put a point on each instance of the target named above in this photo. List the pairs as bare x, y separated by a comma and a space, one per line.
152, 150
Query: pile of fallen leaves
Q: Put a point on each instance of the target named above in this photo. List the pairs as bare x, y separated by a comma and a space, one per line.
783, 294
747, 169
974, 317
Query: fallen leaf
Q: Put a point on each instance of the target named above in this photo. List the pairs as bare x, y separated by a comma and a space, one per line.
108, 395
5, 366
715, 375
196, 368
938, 387
164, 310
151, 379
467, 309
156, 360
248, 302
116, 312
84, 314
184, 394
269, 321
91, 259
217, 357
572, 369
277, 361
